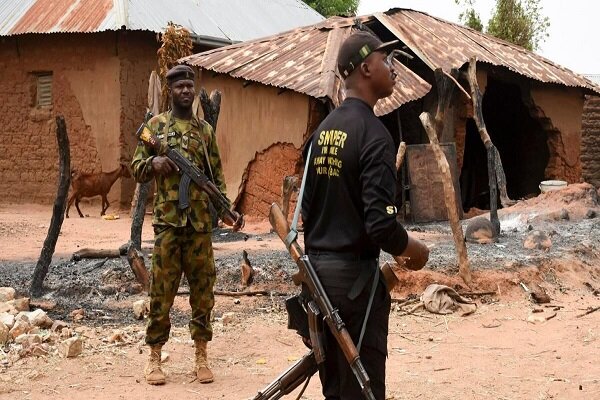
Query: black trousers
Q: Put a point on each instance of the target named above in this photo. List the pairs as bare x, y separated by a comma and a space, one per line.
338, 276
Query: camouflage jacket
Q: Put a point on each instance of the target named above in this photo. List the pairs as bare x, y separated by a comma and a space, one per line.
189, 144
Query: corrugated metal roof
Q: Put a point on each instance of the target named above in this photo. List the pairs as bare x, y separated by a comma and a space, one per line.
594, 78
303, 60
232, 20
447, 45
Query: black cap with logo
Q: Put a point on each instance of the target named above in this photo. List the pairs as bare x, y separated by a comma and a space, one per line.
356, 48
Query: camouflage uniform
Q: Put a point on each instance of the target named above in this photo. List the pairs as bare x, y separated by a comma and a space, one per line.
182, 237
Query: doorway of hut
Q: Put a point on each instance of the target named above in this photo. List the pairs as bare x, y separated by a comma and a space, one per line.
520, 140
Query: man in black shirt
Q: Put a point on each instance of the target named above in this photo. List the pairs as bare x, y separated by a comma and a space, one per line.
349, 214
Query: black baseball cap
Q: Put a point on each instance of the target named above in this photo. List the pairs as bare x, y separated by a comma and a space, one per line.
357, 47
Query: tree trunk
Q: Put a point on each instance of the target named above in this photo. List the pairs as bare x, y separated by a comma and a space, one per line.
211, 106
434, 129
290, 185
58, 211
136, 260
139, 212
497, 179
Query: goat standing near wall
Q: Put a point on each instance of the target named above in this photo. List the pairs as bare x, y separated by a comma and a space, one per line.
94, 184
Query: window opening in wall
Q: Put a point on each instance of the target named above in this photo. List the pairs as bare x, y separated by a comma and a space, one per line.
44, 89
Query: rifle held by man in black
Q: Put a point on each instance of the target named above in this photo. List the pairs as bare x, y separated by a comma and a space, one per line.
307, 277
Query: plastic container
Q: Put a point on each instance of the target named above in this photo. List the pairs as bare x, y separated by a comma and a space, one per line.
548, 186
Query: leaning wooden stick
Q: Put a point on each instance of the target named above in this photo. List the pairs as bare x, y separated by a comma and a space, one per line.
432, 127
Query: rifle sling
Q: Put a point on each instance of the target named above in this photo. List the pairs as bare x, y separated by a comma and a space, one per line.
368, 312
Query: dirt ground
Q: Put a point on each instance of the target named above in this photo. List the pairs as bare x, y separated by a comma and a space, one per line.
494, 353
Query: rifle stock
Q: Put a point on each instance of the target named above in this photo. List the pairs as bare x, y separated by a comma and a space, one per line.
307, 276
290, 379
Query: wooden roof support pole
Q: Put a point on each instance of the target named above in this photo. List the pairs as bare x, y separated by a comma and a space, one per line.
497, 178
433, 127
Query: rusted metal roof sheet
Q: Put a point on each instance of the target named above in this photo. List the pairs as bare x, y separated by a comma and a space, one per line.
303, 60
231, 20
446, 45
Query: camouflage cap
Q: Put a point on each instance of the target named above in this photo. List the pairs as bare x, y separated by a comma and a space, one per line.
179, 72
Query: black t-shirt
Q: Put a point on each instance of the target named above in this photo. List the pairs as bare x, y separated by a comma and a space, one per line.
348, 203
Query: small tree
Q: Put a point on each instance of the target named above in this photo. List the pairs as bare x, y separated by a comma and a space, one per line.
469, 17
517, 21
520, 22
329, 8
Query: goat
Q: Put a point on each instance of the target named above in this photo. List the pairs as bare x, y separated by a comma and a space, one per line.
94, 184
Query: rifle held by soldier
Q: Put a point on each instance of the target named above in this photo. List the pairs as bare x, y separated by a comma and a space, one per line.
191, 173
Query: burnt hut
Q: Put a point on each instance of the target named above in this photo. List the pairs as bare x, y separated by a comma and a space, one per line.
277, 89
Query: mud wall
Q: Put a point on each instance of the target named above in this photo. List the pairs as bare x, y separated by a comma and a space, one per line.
265, 177
590, 141
137, 56
253, 117
85, 90
560, 110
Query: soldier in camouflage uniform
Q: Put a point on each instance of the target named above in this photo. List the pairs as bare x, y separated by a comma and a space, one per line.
182, 236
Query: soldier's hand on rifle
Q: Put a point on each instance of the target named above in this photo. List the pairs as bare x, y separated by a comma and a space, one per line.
415, 256
237, 224
164, 166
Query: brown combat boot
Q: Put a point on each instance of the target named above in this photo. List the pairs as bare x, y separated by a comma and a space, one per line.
202, 372
153, 373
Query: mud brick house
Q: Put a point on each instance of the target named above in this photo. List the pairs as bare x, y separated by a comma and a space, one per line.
590, 137
90, 61
281, 87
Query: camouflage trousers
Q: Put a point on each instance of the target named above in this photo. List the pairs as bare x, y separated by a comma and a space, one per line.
177, 251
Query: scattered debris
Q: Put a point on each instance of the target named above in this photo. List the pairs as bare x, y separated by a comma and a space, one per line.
589, 311
6, 294
71, 347
247, 270
540, 317
440, 299
480, 230
537, 240
227, 318
141, 308
78, 314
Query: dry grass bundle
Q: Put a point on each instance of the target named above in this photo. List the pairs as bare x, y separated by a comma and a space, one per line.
176, 43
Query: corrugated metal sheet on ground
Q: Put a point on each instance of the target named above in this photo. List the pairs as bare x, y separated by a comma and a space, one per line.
234, 20
303, 60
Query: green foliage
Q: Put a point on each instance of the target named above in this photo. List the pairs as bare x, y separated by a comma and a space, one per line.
517, 21
329, 8
520, 22
469, 17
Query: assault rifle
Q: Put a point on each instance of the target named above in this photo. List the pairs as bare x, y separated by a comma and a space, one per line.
306, 367
189, 173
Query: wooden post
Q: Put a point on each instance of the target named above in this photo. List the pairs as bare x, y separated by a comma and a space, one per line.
496, 177
400, 155
211, 106
58, 211
290, 185
433, 128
